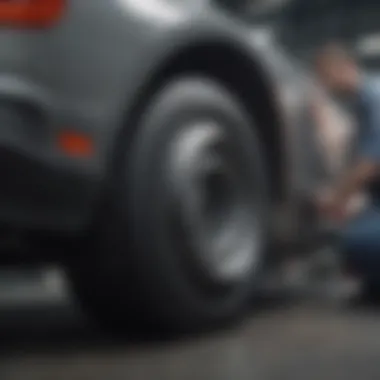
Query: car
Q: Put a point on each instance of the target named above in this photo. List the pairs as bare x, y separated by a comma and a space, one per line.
150, 147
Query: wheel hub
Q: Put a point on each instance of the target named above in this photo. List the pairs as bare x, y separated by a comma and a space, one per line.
216, 202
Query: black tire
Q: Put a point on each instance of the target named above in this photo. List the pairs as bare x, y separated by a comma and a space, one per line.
144, 263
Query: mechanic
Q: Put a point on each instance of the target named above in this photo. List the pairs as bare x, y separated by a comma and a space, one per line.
341, 75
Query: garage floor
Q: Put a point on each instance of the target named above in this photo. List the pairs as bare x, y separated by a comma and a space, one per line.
42, 336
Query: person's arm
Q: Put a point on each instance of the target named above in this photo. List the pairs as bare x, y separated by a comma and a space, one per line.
333, 128
356, 178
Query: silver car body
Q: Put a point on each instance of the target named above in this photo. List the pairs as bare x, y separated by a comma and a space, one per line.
89, 72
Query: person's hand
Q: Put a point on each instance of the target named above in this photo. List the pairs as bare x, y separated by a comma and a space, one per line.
330, 206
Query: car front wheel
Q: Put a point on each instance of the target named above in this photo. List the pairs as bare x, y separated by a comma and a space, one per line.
183, 237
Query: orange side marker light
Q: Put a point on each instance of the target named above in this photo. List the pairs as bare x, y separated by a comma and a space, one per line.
75, 144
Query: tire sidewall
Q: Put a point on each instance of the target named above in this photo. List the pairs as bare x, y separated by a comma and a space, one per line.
166, 284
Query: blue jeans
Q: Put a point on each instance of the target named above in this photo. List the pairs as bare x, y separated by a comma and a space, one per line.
360, 242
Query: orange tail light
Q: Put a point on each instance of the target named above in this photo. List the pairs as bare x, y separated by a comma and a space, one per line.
31, 13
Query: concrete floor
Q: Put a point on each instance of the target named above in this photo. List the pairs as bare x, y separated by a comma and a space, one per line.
43, 337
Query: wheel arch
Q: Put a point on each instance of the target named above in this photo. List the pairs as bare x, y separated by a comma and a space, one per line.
243, 76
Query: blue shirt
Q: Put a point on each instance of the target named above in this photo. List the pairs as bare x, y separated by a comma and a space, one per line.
368, 118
